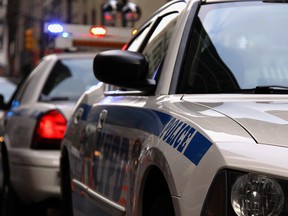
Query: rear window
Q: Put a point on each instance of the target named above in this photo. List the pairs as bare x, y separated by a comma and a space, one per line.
68, 79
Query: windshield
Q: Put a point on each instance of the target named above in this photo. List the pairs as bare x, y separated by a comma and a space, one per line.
236, 47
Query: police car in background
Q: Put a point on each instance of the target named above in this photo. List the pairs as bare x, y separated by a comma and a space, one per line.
77, 37
200, 124
34, 124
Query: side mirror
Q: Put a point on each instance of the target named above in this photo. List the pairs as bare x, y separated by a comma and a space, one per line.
123, 68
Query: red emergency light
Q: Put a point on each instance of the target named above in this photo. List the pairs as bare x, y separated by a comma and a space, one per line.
98, 31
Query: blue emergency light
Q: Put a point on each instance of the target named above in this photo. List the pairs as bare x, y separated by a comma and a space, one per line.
55, 28
66, 34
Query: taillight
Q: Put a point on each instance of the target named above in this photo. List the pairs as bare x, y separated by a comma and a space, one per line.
49, 130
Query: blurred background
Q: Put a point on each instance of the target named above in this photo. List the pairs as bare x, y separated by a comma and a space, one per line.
24, 39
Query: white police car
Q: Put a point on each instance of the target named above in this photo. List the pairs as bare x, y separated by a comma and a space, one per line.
33, 126
200, 124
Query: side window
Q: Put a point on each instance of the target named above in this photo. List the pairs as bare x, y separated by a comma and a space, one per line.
138, 40
153, 41
158, 42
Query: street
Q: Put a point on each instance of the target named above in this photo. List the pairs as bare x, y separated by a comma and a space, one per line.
43, 209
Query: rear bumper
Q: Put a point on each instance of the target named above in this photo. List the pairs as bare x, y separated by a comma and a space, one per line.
35, 174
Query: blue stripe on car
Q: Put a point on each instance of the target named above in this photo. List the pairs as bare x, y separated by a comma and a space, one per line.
197, 148
176, 133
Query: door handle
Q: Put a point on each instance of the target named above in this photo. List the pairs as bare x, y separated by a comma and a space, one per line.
78, 115
101, 120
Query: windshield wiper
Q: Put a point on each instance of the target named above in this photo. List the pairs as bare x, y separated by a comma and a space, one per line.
267, 89
275, 1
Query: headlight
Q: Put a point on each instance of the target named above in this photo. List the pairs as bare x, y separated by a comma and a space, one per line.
256, 195
234, 193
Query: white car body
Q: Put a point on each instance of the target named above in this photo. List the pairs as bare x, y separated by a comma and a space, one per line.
34, 171
121, 151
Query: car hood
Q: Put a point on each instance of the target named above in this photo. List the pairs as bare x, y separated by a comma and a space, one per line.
265, 118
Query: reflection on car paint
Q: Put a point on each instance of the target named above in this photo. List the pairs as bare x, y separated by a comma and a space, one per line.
96, 162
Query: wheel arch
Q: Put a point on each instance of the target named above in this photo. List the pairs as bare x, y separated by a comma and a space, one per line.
156, 176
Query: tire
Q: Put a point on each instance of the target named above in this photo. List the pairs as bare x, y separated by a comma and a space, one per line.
4, 168
66, 194
11, 205
161, 206
4, 180
157, 199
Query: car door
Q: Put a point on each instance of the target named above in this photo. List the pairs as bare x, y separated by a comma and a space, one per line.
120, 125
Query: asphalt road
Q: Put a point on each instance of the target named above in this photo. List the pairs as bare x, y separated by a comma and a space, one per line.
31, 210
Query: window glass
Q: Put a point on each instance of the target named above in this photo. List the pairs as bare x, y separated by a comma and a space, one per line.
137, 42
237, 46
158, 43
68, 79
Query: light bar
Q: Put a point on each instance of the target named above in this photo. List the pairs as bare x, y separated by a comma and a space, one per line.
55, 28
98, 31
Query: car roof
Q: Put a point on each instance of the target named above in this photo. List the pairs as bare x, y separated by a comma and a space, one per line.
221, 1
71, 55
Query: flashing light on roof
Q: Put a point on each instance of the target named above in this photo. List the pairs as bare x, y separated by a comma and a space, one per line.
98, 31
66, 34
55, 28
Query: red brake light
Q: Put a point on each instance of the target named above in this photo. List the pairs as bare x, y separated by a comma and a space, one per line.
49, 130
125, 47
98, 31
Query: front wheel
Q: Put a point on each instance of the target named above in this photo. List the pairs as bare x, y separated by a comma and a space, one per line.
161, 206
157, 200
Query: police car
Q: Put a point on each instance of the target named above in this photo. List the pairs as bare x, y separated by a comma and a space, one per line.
199, 123
33, 126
